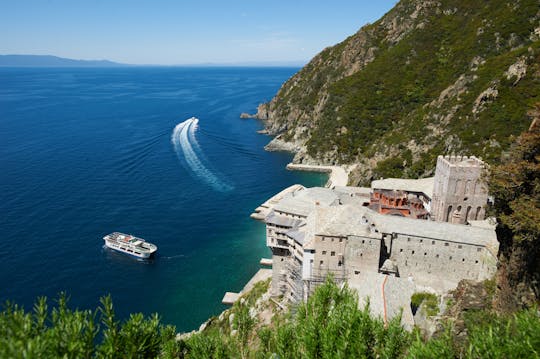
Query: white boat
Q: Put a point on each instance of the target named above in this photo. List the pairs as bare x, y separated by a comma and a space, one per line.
129, 244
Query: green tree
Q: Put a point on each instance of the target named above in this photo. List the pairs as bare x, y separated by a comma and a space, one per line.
65, 333
515, 185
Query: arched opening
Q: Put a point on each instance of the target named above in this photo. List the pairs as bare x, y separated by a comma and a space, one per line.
468, 213
448, 214
478, 209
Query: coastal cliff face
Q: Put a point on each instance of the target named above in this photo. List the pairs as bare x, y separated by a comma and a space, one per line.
429, 77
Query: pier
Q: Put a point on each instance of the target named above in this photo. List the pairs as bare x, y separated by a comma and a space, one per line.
338, 175
262, 274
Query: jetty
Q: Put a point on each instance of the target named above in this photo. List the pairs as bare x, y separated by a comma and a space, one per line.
338, 175
262, 274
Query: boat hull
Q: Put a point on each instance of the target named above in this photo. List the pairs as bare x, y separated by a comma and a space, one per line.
125, 250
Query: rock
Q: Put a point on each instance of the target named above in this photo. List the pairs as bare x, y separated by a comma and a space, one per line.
484, 98
517, 70
277, 144
428, 325
185, 336
203, 326
252, 312
245, 115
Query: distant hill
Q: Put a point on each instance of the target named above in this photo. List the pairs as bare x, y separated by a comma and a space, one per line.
51, 61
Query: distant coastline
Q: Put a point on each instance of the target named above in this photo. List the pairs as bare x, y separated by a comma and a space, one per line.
51, 61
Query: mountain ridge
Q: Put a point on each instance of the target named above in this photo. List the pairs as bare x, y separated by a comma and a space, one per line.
429, 77
17, 60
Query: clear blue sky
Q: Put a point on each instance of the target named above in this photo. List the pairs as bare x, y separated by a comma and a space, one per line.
180, 31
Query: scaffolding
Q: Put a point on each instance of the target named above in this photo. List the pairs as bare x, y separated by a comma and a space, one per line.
339, 277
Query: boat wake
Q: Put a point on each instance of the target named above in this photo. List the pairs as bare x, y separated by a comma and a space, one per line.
188, 149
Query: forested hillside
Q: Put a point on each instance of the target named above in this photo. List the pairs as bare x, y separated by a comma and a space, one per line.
429, 78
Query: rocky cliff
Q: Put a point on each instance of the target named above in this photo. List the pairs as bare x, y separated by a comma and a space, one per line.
429, 77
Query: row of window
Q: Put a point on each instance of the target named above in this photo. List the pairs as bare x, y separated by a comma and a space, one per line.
331, 239
446, 244
449, 258
289, 214
321, 262
436, 256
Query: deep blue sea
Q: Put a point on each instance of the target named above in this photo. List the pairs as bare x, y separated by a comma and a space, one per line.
85, 152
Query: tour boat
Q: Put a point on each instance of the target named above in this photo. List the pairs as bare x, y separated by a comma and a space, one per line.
129, 244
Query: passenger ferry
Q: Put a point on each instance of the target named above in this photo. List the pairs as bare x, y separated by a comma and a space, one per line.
129, 244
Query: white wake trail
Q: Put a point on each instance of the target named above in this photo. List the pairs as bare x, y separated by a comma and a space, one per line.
184, 141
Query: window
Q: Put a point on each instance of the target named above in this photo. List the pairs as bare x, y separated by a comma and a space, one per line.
323, 252
460, 246
463, 260
412, 252
446, 244
340, 240
437, 256
321, 263
450, 258
421, 241
425, 253
408, 239
356, 272
432, 242
479, 249
332, 253
476, 261
401, 250
339, 264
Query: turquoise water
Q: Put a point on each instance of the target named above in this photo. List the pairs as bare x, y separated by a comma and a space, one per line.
84, 152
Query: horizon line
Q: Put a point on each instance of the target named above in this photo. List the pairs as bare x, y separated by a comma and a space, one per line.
276, 63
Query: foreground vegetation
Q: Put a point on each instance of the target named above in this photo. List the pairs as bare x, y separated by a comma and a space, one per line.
329, 325
61, 332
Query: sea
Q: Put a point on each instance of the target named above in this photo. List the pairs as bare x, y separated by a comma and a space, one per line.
88, 151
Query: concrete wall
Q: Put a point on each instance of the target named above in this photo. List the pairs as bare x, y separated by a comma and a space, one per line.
362, 255
329, 254
437, 263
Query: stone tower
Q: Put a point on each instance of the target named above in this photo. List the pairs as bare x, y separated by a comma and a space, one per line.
459, 193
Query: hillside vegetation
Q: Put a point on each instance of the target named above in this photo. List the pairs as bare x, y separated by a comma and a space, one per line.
429, 78
329, 325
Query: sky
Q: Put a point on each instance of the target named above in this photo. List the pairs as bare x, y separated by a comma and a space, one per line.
177, 32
